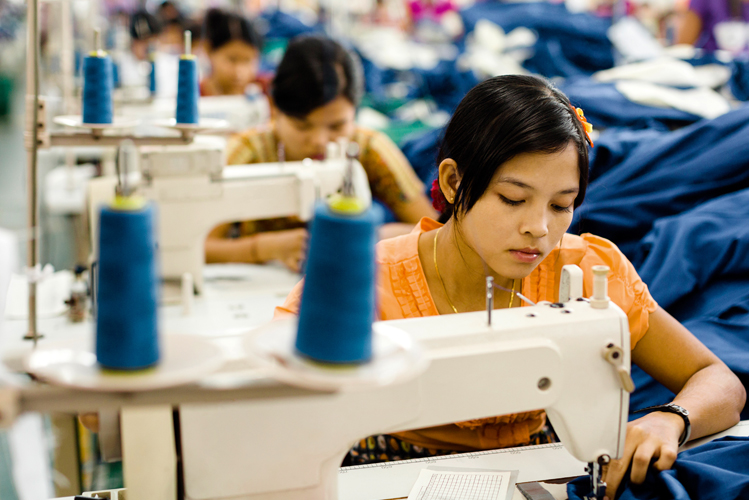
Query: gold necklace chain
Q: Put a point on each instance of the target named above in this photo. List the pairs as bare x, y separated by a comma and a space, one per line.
455, 310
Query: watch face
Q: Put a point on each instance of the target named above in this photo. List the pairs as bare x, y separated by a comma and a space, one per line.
679, 409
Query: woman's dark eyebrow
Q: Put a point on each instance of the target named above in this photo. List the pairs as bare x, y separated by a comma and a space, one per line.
515, 182
521, 184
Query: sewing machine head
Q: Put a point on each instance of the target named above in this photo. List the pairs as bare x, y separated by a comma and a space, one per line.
195, 192
571, 359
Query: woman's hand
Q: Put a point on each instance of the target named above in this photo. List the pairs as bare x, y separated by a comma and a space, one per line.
654, 436
703, 385
288, 246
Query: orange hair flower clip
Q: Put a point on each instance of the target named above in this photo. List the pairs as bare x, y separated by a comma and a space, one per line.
586, 126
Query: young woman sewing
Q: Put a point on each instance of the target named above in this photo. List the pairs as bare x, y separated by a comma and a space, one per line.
233, 47
314, 97
513, 167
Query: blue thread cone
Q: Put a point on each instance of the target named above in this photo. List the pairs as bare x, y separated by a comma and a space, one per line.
97, 89
152, 77
338, 300
127, 291
188, 92
115, 75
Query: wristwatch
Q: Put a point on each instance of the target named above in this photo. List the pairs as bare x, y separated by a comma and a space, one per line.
673, 408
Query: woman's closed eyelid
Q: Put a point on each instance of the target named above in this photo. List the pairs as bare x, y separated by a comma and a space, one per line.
510, 202
559, 208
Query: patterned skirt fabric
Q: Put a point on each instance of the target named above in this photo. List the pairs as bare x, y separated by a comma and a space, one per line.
387, 448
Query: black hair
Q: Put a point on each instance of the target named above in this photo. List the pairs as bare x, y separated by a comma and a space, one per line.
501, 118
196, 30
169, 13
313, 72
143, 25
221, 27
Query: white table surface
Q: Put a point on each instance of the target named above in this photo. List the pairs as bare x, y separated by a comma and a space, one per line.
236, 298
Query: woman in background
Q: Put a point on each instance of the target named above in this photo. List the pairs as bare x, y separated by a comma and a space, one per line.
314, 97
144, 33
704, 18
233, 47
173, 22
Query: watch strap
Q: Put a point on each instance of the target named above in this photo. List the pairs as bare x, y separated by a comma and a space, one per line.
677, 410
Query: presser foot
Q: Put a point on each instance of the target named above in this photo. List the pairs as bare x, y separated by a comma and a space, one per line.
597, 484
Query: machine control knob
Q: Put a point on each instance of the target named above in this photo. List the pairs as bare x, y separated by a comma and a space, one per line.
615, 356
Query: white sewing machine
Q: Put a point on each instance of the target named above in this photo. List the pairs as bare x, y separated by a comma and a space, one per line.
259, 438
195, 192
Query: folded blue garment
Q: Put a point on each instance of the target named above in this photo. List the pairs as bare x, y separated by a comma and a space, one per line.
667, 176
615, 145
606, 107
683, 253
718, 470
568, 44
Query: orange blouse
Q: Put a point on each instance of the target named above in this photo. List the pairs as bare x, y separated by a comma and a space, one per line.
403, 293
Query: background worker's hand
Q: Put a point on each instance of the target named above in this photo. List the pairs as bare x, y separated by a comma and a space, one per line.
288, 246
654, 436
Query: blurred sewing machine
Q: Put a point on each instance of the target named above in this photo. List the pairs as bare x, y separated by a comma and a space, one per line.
259, 438
195, 192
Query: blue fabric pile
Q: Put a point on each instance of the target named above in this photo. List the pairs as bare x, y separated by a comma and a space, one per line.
714, 471
615, 145
568, 44
667, 176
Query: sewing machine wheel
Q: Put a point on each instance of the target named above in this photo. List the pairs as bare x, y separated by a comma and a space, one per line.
72, 363
396, 358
